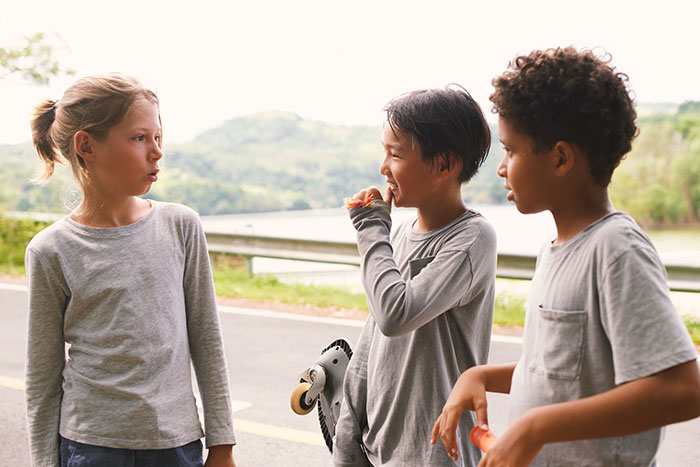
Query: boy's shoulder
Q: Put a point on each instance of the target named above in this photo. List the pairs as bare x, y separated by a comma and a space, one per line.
614, 242
469, 229
618, 232
472, 222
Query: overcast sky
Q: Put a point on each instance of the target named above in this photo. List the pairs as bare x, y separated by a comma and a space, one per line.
336, 61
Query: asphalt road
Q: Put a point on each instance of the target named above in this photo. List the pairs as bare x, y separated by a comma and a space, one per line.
266, 352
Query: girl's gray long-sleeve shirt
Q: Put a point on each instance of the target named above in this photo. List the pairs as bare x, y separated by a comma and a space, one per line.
135, 306
431, 299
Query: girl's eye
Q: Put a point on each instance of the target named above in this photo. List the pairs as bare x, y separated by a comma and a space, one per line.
139, 138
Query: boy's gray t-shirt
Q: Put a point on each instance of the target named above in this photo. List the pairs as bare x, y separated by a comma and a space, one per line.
136, 304
598, 315
431, 298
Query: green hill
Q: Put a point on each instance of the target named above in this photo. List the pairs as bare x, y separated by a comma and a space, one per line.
268, 161
274, 161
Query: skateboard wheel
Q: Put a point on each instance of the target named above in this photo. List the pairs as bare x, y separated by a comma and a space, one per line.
298, 399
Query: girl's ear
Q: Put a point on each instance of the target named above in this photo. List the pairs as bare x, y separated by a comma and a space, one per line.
84, 145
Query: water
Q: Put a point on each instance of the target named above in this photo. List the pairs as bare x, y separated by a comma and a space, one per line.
516, 233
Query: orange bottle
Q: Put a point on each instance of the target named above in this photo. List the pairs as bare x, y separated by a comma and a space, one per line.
482, 438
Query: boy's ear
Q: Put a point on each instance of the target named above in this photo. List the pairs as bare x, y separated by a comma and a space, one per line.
565, 155
84, 145
447, 164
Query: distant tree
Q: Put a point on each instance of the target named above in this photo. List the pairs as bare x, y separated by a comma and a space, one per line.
34, 61
689, 107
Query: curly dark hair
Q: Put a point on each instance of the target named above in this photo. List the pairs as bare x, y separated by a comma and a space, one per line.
562, 94
446, 123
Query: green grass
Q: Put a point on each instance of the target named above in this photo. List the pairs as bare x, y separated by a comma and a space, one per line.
510, 309
679, 239
15, 234
231, 281
692, 323
237, 283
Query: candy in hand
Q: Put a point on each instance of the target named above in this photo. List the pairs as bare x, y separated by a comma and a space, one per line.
355, 202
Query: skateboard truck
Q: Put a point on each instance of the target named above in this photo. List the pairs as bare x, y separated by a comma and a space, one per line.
311, 383
323, 382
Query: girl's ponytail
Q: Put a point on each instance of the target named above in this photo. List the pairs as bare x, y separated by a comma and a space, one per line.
44, 116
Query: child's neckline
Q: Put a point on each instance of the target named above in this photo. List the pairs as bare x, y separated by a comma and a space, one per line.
81, 224
108, 232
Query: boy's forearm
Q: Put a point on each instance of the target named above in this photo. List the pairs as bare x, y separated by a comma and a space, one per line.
497, 378
667, 397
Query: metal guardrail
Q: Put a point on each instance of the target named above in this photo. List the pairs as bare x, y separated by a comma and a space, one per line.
681, 278
284, 248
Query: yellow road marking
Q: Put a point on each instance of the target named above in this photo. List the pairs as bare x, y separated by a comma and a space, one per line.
278, 432
242, 426
12, 383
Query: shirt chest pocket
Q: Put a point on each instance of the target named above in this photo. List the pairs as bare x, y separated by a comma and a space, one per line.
559, 348
417, 265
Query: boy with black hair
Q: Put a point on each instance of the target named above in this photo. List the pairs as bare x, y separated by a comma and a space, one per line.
430, 289
606, 359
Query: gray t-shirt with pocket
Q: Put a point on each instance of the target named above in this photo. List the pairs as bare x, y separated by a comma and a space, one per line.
598, 315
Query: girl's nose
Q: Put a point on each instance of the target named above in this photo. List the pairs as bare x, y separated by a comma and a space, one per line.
156, 152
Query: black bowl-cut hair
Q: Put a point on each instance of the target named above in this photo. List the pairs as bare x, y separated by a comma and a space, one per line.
447, 123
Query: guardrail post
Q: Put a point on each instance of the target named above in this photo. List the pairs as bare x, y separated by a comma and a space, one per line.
248, 265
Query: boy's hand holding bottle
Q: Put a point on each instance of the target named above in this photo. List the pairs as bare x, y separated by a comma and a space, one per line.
469, 393
514, 448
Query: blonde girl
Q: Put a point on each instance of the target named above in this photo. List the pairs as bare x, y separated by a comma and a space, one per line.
124, 284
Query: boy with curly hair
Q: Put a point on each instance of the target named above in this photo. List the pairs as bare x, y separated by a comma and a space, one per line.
606, 359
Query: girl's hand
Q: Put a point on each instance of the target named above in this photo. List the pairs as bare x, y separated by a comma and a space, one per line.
220, 456
469, 393
514, 449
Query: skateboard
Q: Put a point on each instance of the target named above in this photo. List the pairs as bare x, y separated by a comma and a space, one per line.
323, 382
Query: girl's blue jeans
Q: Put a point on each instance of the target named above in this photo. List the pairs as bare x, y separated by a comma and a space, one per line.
74, 454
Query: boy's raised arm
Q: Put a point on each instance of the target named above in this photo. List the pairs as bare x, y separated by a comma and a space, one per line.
400, 306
